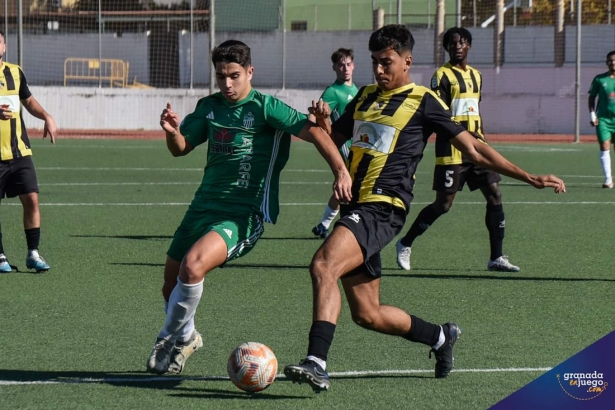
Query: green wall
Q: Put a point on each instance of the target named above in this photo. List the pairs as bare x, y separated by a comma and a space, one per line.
327, 15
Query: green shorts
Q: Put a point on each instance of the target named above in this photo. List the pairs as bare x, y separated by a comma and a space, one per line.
240, 232
605, 130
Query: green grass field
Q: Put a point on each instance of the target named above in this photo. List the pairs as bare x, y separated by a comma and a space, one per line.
78, 337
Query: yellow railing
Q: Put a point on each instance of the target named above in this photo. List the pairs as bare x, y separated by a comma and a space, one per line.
113, 72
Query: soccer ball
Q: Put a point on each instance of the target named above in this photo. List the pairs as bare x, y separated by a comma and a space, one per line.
252, 367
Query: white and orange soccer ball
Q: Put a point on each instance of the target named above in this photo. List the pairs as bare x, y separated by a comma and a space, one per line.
252, 367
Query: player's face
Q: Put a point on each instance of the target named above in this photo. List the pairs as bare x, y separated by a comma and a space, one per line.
391, 69
234, 80
610, 63
343, 69
458, 48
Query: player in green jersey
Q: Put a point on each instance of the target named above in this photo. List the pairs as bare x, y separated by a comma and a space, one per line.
603, 87
248, 136
337, 95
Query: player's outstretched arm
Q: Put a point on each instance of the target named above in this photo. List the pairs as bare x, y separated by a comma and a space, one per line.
484, 155
34, 108
591, 103
176, 142
342, 184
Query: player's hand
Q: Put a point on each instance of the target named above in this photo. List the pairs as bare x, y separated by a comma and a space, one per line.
322, 112
549, 181
169, 120
50, 129
594, 123
342, 186
5, 112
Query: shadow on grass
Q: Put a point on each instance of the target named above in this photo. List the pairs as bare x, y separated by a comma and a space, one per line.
136, 380
133, 237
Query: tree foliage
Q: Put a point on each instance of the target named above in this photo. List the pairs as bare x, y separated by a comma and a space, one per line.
542, 12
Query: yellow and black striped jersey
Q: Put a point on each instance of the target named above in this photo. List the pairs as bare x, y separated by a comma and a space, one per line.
14, 142
389, 130
461, 90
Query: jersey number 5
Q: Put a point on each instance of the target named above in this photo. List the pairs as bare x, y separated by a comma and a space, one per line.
449, 179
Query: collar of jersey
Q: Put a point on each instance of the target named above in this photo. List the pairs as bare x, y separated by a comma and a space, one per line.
396, 90
248, 98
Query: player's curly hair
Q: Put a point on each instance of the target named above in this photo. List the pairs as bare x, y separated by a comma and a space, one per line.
395, 36
342, 53
464, 34
232, 51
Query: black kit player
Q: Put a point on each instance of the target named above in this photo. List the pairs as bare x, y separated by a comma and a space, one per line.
389, 124
459, 86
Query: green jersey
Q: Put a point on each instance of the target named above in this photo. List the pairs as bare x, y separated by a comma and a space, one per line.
338, 95
603, 86
248, 145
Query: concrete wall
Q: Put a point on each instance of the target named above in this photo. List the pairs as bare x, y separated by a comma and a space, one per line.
515, 100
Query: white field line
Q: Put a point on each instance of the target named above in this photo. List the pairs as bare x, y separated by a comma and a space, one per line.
198, 182
162, 183
298, 203
201, 170
366, 373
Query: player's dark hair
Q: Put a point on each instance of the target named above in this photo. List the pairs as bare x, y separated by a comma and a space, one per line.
232, 51
612, 53
342, 53
464, 34
395, 36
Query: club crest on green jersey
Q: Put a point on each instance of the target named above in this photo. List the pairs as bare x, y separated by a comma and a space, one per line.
248, 120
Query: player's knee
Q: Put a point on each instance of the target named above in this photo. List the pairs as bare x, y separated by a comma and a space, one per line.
364, 319
441, 208
494, 198
320, 271
192, 271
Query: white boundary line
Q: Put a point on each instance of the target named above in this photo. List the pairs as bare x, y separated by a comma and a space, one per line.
299, 203
128, 379
198, 182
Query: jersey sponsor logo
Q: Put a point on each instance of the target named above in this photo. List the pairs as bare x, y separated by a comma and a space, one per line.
222, 141
12, 101
248, 120
464, 107
228, 232
374, 136
350, 97
354, 218
210, 116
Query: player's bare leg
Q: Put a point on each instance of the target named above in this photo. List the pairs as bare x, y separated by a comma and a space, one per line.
339, 254
605, 162
32, 228
495, 222
171, 351
423, 221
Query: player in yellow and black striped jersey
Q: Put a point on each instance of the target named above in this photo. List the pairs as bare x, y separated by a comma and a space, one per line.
460, 86
17, 174
389, 124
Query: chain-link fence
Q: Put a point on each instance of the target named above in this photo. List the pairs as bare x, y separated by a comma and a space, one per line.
165, 44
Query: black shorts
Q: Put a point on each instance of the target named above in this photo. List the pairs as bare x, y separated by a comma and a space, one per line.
374, 225
450, 179
17, 177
